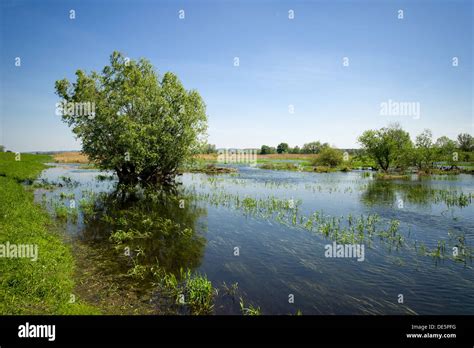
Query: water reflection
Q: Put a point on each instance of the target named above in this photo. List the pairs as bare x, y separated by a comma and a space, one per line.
148, 229
417, 193
276, 258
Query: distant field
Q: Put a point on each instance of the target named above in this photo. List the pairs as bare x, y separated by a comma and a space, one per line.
78, 157
70, 157
288, 156
276, 156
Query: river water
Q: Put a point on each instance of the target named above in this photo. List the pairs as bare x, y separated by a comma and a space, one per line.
282, 267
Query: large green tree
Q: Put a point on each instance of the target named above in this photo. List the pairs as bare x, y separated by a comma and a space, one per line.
329, 157
466, 142
389, 146
445, 148
314, 147
424, 152
144, 127
295, 150
282, 148
267, 150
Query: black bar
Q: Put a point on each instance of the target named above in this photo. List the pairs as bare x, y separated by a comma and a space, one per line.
241, 330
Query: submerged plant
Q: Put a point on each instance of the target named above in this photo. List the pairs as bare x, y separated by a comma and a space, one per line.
250, 310
230, 290
198, 293
193, 291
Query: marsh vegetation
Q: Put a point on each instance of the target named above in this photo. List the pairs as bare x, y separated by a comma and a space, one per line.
153, 251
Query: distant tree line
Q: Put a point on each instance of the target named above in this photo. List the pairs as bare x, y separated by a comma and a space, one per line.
392, 148
314, 147
309, 148
386, 148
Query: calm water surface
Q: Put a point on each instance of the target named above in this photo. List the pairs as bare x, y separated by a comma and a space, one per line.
276, 260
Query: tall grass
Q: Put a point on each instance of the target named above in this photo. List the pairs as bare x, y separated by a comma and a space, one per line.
44, 286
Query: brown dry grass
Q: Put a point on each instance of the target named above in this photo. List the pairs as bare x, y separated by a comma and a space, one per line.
70, 157
291, 156
207, 157
276, 156
78, 157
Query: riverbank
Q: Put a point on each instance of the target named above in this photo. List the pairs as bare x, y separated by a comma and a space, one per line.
28, 286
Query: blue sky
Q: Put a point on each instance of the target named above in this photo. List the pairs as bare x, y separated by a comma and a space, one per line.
283, 62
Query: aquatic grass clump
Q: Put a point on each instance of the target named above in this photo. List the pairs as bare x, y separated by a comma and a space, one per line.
44, 184
352, 229
439, 251
64, 195
103, 177
87, 205
414, 192
286, 211
231, 289
198, 294
256, 206
458, 200
193, 292
250, 310
67, 181
349, 230
63, 213
458, 250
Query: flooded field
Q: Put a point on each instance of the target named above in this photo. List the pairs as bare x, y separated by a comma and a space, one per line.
269, 231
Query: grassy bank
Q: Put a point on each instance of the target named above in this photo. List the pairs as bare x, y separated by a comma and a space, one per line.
44, 286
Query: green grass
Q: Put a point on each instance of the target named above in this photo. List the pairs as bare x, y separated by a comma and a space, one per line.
44, 286
26, 169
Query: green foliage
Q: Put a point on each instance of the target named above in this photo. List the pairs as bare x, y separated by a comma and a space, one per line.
207, 148
329, 157
194, 291
314, 147
295, 150
199, 294
466, 142
143, 127
445, 149
388, 146
424, 152
250, 310
322, 169
363, 161
282, 148
267, 150
2, 148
